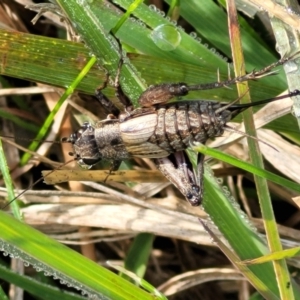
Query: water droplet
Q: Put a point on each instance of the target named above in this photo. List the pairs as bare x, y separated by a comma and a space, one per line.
232, 199
193, 34
166, 37
219, 180
152, 7
162, 13
180, 28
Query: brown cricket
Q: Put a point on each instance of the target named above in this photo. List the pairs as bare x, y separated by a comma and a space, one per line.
162, 131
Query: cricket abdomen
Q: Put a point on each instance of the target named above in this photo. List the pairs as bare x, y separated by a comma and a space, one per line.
180, 125
171, 128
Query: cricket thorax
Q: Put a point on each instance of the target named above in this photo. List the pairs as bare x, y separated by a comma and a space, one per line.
94, 143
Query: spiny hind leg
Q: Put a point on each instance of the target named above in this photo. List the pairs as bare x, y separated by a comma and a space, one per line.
183, 177
162, 93
250, 76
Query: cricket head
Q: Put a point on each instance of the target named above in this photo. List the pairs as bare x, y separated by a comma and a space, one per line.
85, 147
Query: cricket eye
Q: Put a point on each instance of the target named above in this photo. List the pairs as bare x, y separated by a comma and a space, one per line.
79, 133
89, 162
75, 136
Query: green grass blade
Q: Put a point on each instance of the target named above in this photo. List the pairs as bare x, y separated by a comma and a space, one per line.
34, 287
42, 132
141, 282
247, 167
127, 14
273, 238
137, 258
47, 255
8, 183
106, 49
238, 231
288, 253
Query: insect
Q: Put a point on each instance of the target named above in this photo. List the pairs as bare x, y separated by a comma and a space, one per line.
162, 131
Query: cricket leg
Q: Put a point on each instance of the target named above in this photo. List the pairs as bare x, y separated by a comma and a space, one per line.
200, 174
114, 167
266, 71
110, 108
183, 178
104, 101
162, 93
119, 92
